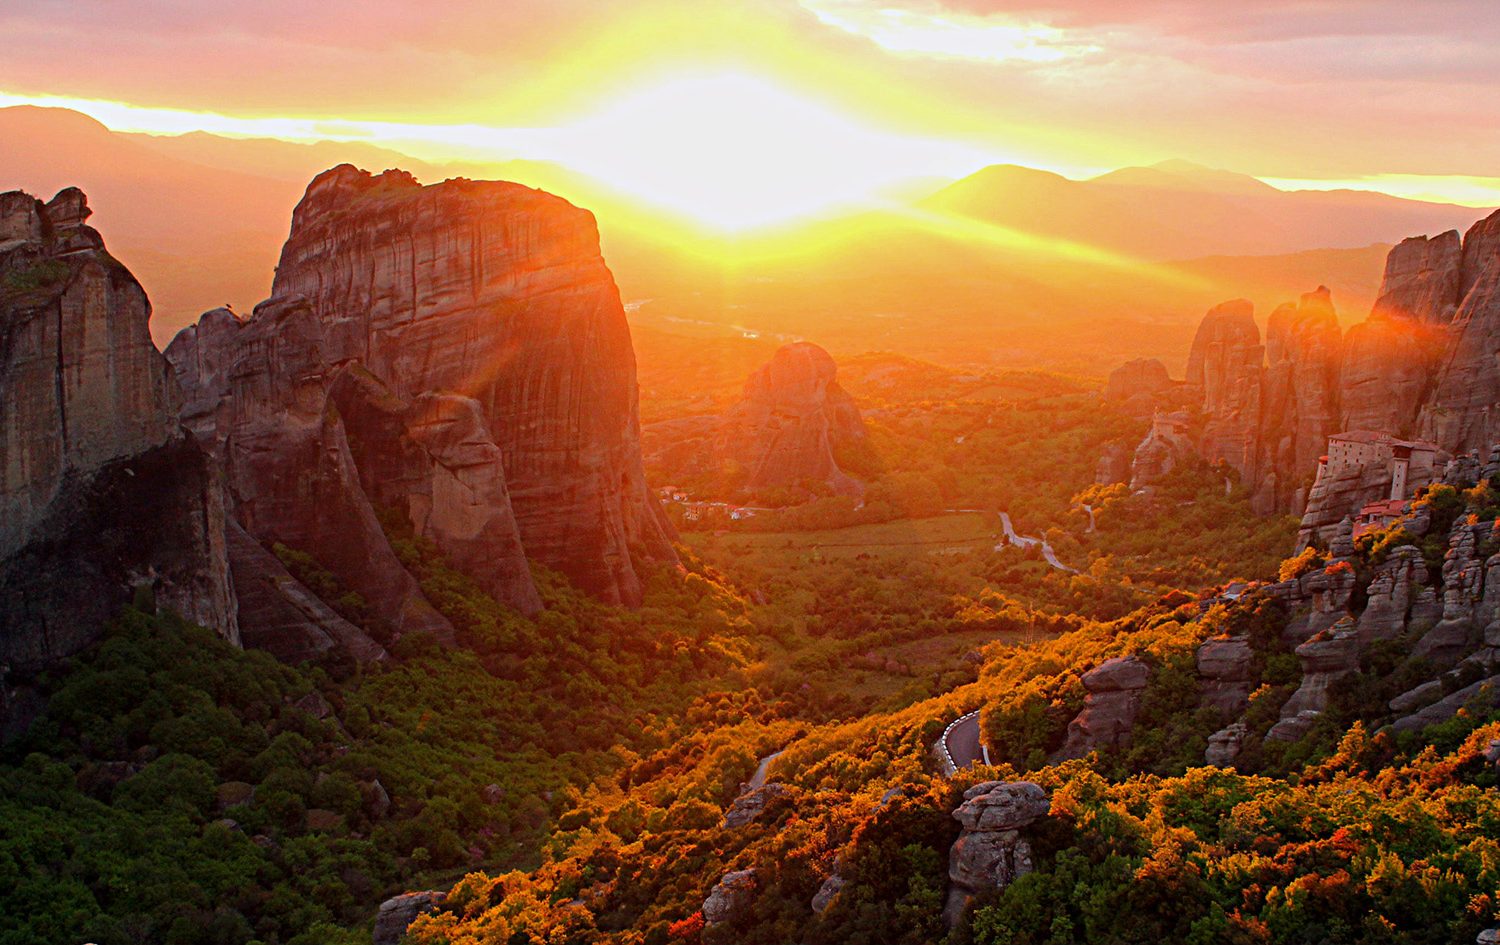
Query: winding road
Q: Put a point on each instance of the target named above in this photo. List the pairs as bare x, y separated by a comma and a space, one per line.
960, 743
1026, 541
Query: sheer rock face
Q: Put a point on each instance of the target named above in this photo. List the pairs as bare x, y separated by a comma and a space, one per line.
1300, 401
1225, 364
257, 399
100, 489
1463, 411
1395, 596
502, 390
1390, 359
792, 420
991, 852
277, 613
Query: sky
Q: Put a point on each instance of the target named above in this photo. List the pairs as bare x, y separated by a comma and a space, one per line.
748, 107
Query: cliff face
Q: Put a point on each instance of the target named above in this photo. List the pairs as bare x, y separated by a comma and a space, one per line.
100, 490
457, 353
1421, 366
1391, 358
1463, 412
792, 420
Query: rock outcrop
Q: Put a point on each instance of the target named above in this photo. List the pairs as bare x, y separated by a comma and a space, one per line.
1391, 358
730, 897
456, 355
1114, 695
1225, 669
1327, 657
1135, 385
1463, 411
399, 912
992, 850
1421, 367
789, 429
101, 491
793, 421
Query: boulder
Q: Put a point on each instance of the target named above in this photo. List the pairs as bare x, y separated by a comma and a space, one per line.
827, 892
1225, 745
991, 851
751, 804
400, 911
734, 892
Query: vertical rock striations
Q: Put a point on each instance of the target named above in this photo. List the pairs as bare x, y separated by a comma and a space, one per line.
456, 354
101, 492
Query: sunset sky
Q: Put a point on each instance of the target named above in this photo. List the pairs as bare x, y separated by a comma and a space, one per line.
753, 110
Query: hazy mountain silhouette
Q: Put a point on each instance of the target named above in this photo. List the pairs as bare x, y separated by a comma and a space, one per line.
1180, 210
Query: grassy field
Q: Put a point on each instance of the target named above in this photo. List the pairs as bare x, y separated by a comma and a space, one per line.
903, 539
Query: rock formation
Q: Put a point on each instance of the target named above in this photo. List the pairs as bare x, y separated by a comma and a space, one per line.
1461, 414
991, 851
1114, 695
101, 491
1390, 359
1420, 366
793, 420
1165, 446
398, 912
1135, 385
455, 354
1326, 658
789, 428
1225, 670
729, 898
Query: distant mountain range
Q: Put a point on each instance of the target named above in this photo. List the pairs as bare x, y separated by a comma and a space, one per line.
1010, 266
1179, 210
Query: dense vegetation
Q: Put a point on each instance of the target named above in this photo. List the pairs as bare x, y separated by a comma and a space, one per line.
568, 776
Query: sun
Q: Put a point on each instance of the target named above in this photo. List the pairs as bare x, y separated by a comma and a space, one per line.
737, 151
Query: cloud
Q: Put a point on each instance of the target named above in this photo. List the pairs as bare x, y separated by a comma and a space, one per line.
949, 34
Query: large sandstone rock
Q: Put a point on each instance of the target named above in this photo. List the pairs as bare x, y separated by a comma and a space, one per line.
1114, 696
476, 339
1397, 596
1226, 364
1461, 413
101, 491
277, 613
1390, 359
1299, 408
1463, 593
991, 852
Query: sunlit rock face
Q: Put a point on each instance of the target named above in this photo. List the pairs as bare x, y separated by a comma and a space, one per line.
101, 492
487, 368
1463, 411
1390, 360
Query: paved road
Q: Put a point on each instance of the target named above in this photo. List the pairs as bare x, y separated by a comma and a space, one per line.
1026, 541
960, 742
758, 779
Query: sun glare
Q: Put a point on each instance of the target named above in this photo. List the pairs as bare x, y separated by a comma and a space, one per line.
737, 151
